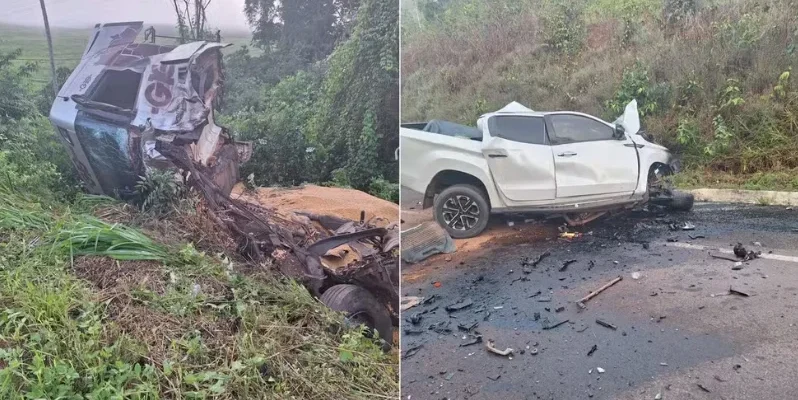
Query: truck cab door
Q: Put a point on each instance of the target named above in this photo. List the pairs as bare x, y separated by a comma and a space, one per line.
588, 159
519, 157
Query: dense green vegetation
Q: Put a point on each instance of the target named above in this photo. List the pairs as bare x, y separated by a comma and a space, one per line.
101, 300
318, 112
714, 79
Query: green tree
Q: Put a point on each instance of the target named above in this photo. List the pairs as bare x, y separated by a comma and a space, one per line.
303, 31
15, 101
363, 77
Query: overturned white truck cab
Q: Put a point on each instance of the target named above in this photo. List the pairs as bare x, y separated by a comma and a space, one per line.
126, 99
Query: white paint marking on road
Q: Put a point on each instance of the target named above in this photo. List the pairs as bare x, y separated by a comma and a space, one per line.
777, 257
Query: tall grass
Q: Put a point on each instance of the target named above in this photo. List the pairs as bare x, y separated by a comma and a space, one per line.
91, 236
716, 84
210, 333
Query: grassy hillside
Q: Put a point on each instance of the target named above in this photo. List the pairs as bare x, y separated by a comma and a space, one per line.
713, 78
69, 43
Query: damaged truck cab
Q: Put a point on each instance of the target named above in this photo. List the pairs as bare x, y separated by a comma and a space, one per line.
125, 100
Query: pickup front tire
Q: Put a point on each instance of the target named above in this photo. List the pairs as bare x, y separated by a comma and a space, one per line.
462, 210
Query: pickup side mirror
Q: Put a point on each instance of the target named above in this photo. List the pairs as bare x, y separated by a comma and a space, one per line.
619, 133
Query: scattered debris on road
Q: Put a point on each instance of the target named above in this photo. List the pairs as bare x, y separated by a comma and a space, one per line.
746, 255
592, 350
410, 352
704, 388
459, 305
536, 261
737, 266
548, 325
569, 235
490, 345
606, 324
636, 275
724, 256
409, 302
566, 263
600, 370
696, 237
581, 303
474, 340
738, 292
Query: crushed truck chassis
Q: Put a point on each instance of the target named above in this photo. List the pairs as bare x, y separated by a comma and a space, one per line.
297, 249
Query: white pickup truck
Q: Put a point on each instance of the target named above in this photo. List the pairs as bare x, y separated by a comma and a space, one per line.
521, 161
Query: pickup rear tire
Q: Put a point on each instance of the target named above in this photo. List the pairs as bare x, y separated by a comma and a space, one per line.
462, 210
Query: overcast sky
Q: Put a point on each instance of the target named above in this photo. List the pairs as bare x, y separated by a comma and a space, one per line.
85, 13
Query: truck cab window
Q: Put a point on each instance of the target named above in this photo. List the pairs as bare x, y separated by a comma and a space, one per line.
117, 88
570, 128
518, 128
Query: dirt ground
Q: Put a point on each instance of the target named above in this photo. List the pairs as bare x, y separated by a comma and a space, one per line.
679, 333
344, 203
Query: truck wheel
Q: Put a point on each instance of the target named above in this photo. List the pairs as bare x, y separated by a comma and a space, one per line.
681, 201
462, 210
361, 307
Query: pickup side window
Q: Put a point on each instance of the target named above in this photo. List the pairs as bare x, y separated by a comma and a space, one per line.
569, 128
518, 128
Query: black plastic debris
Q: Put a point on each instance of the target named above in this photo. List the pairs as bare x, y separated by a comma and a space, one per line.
468, 328
592, 350
746, 255
740, 251
548, 325
413, 331
536, 316
459, 306
441, 328
696, 237
534, 263
565, 264
704, 388
559, 309
429, 300
410, 352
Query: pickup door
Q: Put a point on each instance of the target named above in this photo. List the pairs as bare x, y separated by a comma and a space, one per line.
588, 160
519, 157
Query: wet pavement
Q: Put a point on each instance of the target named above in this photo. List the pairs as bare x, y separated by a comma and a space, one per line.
680, 335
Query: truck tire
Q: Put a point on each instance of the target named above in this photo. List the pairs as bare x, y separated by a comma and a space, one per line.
462, 210
361, 307
681, 201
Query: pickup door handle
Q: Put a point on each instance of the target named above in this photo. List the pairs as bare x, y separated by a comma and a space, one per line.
566, 154
634, 145
496, 153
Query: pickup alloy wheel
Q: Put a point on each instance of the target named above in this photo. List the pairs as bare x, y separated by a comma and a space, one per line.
462, 210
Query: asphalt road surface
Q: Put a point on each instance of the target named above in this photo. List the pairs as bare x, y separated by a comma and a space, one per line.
680, 334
